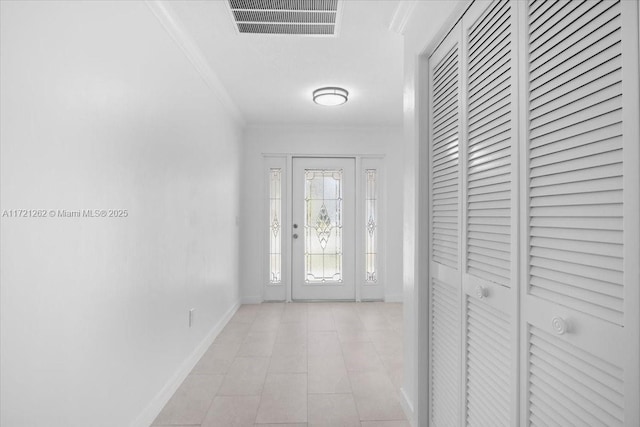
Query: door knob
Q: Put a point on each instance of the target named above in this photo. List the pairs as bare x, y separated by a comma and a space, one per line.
559, 325
295, 236
295, 225
481, 291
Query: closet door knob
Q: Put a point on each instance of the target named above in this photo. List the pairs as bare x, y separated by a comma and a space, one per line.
559, 325
481, 291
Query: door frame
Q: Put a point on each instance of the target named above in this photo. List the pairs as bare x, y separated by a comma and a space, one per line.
284, 161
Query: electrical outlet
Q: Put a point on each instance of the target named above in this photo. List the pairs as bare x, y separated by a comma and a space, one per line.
192, 314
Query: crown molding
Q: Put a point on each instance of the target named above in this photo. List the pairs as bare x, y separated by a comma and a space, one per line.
170, 22
401, 16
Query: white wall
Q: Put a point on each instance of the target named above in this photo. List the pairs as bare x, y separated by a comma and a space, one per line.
385, 141
420, 38
100, 109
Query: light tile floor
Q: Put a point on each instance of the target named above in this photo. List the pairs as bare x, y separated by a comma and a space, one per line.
297, 364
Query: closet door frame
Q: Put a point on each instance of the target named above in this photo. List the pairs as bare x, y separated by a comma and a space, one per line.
631, 203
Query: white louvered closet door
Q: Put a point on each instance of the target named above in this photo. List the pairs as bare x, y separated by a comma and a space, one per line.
535, 224
444, 159
489, 220
580, 199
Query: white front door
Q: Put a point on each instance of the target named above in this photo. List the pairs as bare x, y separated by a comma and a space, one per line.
323, 244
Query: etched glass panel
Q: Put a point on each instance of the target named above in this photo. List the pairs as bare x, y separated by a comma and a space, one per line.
371, 222
323, 225
275, 225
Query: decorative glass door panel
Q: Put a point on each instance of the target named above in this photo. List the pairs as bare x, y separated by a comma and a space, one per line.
323, 228
323, 225
275, 219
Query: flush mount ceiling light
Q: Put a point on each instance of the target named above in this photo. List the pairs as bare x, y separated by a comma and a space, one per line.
330, 96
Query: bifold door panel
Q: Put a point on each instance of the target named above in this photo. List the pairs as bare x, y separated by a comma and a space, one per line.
444, 256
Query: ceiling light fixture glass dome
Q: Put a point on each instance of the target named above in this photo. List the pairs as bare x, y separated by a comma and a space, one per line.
330, 96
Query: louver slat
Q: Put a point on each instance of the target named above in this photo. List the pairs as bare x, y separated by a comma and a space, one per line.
497, 13
488, 94
445, 338
488, 366
567, 94
583, 26
445, 159
552, 14
536, 7
575, 73
576, 159
571, 386
489, 146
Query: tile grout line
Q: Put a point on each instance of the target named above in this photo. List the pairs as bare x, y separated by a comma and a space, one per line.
255, 417
264, 383
347, 370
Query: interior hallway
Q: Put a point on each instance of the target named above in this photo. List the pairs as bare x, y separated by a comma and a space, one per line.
298, 364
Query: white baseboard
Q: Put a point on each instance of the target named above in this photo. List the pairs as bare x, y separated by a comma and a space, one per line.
407, 406
157, 403
251, 300
394, 298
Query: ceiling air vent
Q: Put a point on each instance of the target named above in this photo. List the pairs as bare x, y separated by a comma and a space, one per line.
292, 17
